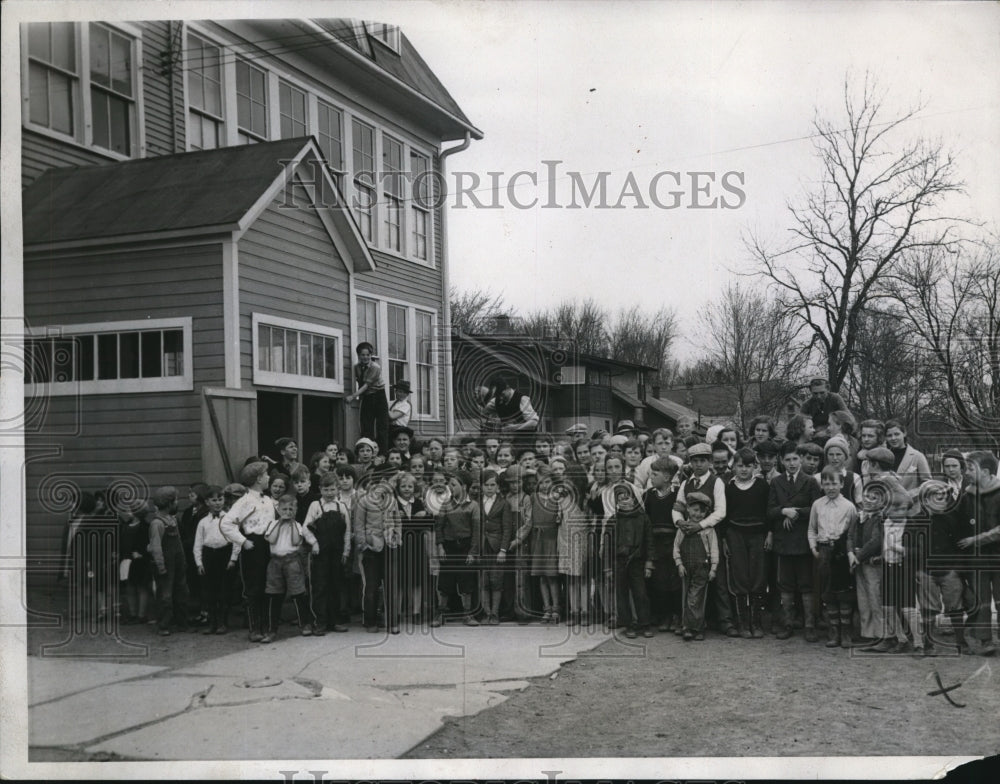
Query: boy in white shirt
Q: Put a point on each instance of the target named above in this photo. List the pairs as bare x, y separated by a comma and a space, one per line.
285, 573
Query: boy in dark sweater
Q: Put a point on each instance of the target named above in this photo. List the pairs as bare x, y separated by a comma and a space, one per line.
745, 542
630, 561
790, 499
664, 586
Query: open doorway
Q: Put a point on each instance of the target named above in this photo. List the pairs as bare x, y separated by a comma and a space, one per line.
276, 417
322, 422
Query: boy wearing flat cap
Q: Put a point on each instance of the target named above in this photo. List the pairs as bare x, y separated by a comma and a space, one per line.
697, 558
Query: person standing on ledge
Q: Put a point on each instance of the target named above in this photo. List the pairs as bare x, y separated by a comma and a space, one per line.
513, 409
374, 413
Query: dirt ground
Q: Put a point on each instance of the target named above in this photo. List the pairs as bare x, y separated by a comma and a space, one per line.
664, 697
735, 697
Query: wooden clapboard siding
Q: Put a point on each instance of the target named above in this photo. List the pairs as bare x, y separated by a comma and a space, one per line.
40, 152
165, 121
101, 437
288, 267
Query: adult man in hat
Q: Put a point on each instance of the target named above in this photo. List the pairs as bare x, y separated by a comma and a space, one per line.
579, 430
626, 427
821, 402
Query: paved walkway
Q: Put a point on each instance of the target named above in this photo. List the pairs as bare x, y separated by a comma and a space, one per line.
347, 696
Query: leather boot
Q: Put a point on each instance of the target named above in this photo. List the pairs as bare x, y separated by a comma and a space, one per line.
832, 627
958, 624
846, 627
756, 611
809, 613
785, 624
742, 606
442, 602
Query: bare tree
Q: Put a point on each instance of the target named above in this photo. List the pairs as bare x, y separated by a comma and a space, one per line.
643, 339
474, 312
583, 323
754, 344
951, 303
875, 202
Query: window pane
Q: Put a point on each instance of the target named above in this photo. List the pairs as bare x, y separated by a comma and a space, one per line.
318, 357
62, 360
152, 354
101, 119
38, 41
128, 346
196, 91
173, 352
64, 46
100, 56
332, 353
107, 356
305, 352
121, 64
243, 79
38, 93
424, 389
120, 125
263, 347
85, 358
277, 350
213, 97
40, 361
291, 351
258, 119
330, 135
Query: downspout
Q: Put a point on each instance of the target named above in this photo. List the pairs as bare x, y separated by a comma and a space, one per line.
449, 398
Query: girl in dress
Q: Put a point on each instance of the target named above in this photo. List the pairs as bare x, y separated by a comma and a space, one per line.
575, 530
544, 543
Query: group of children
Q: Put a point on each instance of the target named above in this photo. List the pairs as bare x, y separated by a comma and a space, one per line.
636, 531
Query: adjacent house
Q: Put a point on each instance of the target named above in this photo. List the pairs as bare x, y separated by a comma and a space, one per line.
215, 213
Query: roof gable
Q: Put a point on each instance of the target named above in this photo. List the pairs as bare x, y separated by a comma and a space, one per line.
221, 190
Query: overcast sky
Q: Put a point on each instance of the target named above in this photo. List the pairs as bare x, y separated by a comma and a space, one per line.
645, 87
639, 88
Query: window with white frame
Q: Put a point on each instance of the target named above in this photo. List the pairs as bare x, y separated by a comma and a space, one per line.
204, 94
153, 355
363, 145
392, 189
404, 335
292, 109
297, 354
422, 403
368, 323
330, 133
397, 345
52, 75
251, 102
420, 200
81, 72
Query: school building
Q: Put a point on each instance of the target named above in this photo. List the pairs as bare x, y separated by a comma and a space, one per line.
214, 214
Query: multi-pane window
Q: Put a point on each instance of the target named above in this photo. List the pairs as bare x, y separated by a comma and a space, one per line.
419, 204
425, 367
330, 134
292, 353
368, 323
392, 188
52, 75
105, 356
204, 85
386, 33
251, 102
363, 142
404, 335
396, 331
111, 93
292, 108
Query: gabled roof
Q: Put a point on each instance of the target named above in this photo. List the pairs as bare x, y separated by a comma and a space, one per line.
187, 191
671, 409
406, 66
209, 191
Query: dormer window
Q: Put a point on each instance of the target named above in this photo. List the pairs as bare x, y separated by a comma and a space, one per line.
384, 33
